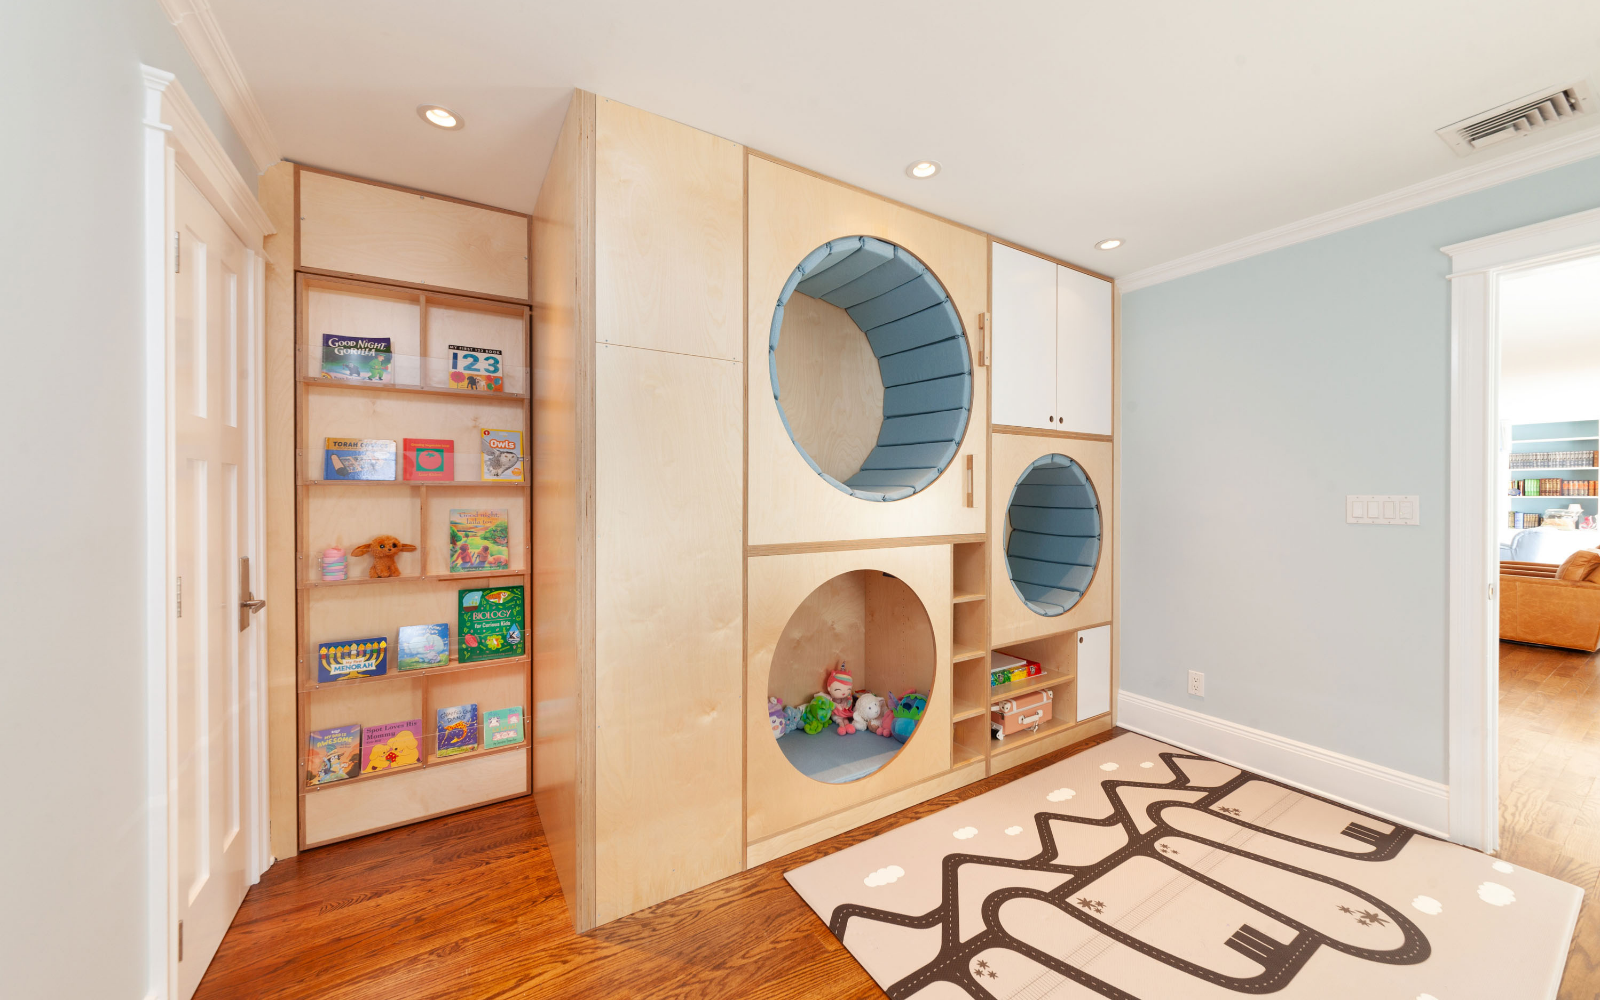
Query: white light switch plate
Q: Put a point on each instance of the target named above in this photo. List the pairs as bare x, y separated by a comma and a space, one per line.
1382, 508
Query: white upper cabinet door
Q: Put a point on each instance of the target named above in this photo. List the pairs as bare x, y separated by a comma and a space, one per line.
1023, 340
1083, 353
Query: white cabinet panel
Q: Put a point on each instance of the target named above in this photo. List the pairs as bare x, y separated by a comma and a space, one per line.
1094, 672
1023, 339
1083, 353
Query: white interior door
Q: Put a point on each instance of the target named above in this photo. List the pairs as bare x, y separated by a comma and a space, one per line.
1083, 352
1094, 672
1023, 342
212, 413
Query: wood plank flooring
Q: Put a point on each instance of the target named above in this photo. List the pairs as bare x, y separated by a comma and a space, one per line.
467, 907
1549, 797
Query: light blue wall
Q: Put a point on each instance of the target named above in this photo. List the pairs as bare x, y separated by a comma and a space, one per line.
72, 842
157, 44
1255, 397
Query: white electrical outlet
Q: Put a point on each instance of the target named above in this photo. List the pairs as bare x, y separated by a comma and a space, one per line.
1197, 683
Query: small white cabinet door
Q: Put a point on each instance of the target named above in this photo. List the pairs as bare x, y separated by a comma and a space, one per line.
1083, 353
1022, 347
1094, 672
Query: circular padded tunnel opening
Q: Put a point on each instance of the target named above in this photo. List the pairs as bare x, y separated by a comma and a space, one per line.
876, 380
1052, 535
874, 628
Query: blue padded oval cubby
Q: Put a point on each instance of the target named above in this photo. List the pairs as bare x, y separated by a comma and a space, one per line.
1052, 535
916, 335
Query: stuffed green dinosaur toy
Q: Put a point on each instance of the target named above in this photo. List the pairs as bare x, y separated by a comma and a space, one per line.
817, 714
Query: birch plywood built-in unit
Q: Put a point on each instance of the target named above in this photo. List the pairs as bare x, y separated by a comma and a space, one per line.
447, 368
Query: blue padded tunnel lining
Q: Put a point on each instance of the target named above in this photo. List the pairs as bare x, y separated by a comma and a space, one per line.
1053, 541
916, 335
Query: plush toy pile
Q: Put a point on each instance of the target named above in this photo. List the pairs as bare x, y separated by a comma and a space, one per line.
849, 711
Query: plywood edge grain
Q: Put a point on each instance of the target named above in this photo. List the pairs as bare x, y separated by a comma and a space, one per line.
852, 544
1036, 432
776, 846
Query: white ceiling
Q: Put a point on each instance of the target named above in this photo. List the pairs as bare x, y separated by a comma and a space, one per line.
1175, 125
1550, 343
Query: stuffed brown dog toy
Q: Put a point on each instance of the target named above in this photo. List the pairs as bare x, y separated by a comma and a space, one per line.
383, 549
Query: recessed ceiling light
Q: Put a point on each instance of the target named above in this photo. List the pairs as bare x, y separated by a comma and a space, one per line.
923, 169
444, 118
1108, 244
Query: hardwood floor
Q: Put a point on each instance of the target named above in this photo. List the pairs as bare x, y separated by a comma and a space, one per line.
1549, 798
468, 907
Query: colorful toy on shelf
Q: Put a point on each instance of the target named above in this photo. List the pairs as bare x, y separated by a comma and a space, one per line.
776, 717
383, 549
793, 719
815, 717
907, 713
840, 687
872, 715
333, 563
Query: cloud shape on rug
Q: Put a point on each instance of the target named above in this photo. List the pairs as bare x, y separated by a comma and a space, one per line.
1061, 795
1496, 894
1147, 763
1012, 831
1504, 867
1426, 996
883, 876
1427, 904
1109, 765
965, 833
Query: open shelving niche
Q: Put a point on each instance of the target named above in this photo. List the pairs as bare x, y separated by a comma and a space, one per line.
418, 403
1564, 435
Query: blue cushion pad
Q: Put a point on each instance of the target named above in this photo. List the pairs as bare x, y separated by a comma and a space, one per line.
1055, 475
910, 456
1053, 496
1053, 548
944, 426
1062, 599
827, 756
846, 260
878, 480
921, 292
951, 393
928, 326
884, 278
1049, 574
946, 358
1056, 520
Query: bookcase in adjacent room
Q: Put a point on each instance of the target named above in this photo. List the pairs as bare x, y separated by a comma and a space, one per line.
424, 395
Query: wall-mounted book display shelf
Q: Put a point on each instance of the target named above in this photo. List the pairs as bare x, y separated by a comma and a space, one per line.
412, 419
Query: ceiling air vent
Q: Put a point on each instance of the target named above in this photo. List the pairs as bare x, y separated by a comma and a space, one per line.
1520, 117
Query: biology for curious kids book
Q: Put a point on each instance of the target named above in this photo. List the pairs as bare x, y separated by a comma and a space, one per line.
429, 460
490, 624
479, 540
346, 658
502, 727
332, 754
422, 646
502, 455
458, 729
357, 458
391, 745
357, 359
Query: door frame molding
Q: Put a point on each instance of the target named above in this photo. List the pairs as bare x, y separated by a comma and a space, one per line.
175, 137
1474, 605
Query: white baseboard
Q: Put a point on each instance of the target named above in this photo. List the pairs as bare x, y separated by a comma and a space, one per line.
1382, 791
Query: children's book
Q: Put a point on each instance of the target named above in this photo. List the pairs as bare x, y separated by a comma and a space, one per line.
357, 359
479, 540
421, 646
357, 458
332, 754
502, 727
458, 729
352, 658
490, 624
429, 461
391, 745
502, 455
476, 368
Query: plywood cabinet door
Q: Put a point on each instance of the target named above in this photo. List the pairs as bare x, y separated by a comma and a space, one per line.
1023, 353
1094, 672
1083, 353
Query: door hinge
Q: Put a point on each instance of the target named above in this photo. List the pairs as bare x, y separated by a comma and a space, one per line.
983, 345
177, 253
1491, 591
180, 940
180, 597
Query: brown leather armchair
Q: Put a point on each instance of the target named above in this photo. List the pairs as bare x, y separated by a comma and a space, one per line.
1536, 607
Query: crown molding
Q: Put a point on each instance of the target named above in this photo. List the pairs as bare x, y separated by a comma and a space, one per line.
1556, 152
206, 163
202, 36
